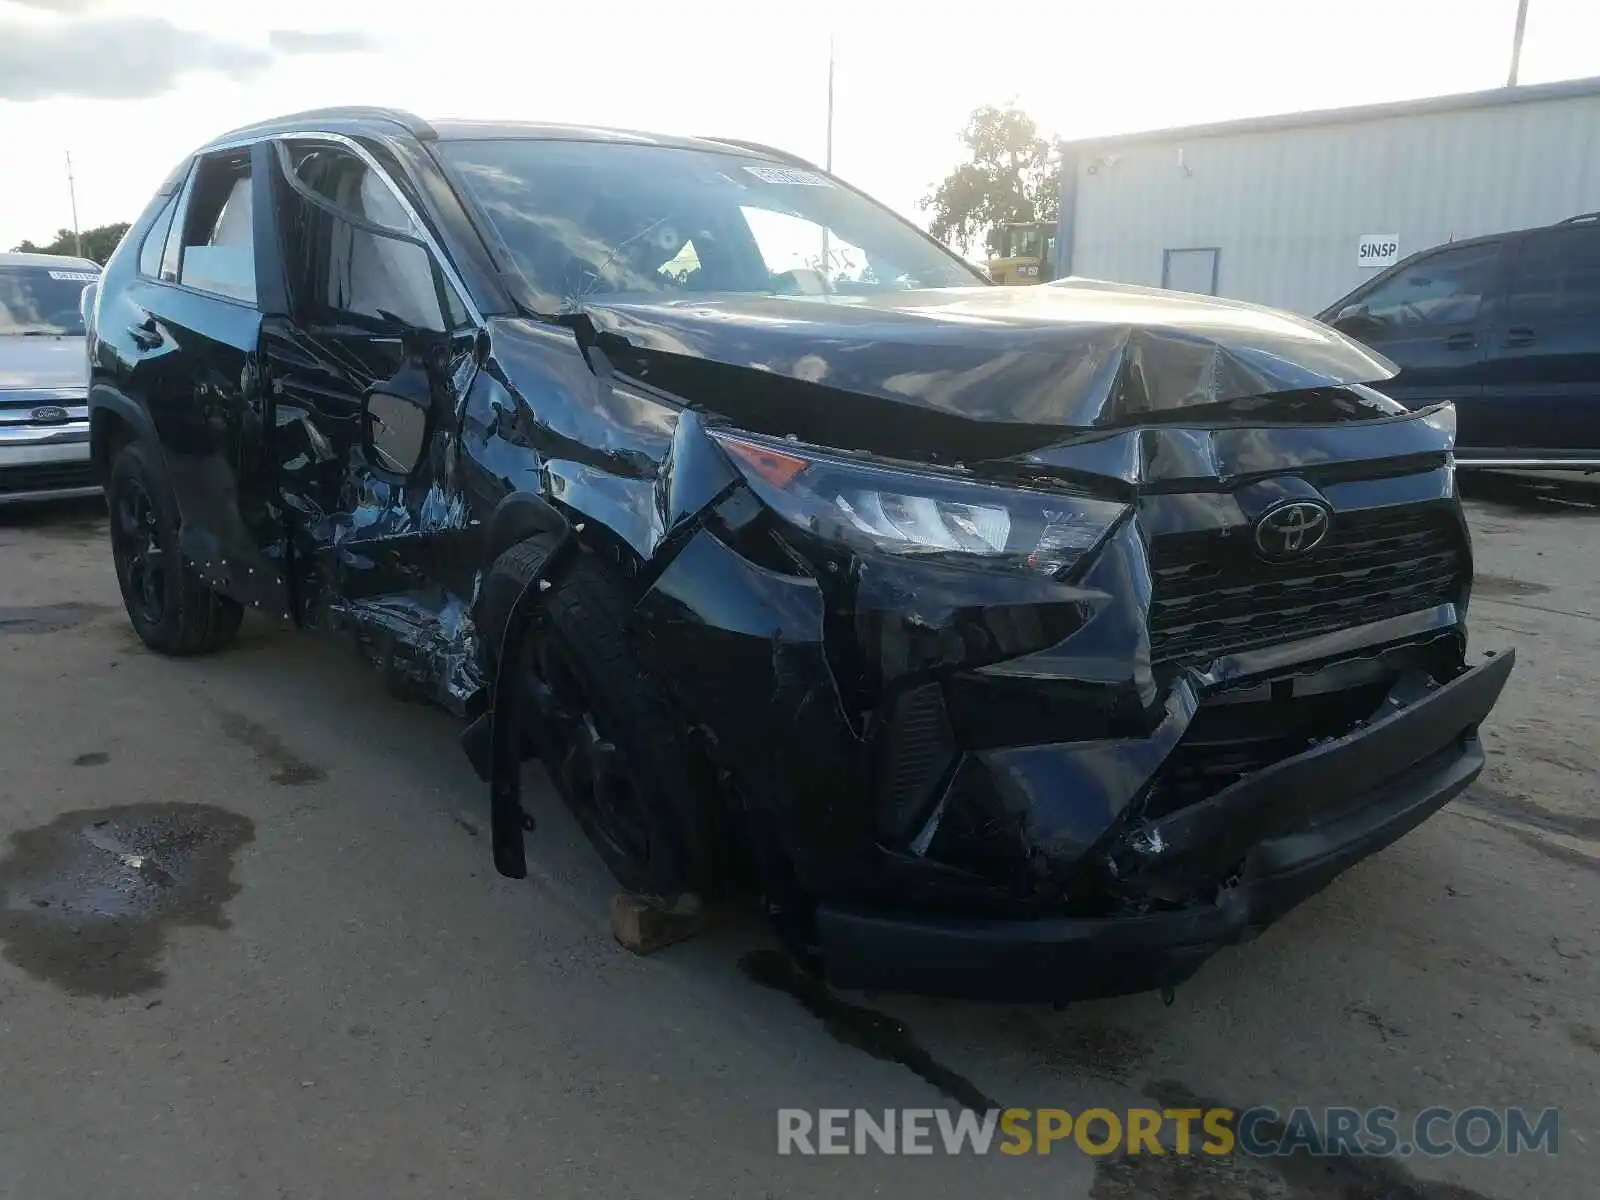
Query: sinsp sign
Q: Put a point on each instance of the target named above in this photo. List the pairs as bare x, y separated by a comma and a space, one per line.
1378, 250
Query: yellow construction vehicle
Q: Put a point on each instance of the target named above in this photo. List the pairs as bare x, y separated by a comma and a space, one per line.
1027, 253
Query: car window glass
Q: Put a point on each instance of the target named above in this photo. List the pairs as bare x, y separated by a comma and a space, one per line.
172, 252
352, 269
793, 250
1556, 274
681, 267
218, 249
580, 219
1445, 288
43, 299
155, 240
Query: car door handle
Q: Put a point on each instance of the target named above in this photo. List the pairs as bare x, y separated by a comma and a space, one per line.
146, 334
1465, 340
1518, 335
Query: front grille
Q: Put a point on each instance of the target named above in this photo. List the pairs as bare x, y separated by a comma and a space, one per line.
1213, 596
46, 477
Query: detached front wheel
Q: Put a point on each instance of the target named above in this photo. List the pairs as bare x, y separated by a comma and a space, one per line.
172, 611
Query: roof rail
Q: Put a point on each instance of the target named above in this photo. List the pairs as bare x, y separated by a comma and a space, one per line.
763, 148
397, 116
1581, 219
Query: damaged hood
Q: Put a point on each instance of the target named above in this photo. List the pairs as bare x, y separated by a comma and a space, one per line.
1076, 355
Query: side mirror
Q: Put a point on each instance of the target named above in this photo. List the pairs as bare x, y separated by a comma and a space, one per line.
394, 420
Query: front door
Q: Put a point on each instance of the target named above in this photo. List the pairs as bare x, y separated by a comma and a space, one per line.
378, 550
1542, 392
1431, 317
195, 333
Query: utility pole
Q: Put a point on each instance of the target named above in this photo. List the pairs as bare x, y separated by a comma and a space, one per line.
827, 162
72, 194
1516, 42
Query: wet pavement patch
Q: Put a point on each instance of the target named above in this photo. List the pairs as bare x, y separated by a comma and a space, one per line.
95, 758
1499, 585
1069, 1046
47, 618
866, 1029
1239, 1176
1523, 811
85, 901
287, 769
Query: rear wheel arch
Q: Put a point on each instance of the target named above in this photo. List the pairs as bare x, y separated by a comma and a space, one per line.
114, 420
187, 617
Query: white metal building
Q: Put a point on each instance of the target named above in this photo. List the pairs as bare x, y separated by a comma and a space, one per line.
1296, 210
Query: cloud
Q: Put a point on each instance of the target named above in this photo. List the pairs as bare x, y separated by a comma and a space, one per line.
127, 58
327, 41
61, 6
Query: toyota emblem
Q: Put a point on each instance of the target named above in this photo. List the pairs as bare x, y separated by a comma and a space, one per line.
48, 414
1291, 530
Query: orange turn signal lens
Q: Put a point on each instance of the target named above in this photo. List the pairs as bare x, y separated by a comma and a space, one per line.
776, 467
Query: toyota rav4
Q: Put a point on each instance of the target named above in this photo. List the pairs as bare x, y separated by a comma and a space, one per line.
1009, 642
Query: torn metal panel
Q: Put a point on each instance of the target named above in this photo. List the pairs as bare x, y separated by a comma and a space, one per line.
425, 645
1061, 799
742, 649
913, 617
997, 364
1288, 809
1168, 455
539, 420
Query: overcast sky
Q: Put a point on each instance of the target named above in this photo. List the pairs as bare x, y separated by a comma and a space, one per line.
129, 88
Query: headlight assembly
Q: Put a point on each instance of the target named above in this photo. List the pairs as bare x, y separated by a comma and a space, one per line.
910, 512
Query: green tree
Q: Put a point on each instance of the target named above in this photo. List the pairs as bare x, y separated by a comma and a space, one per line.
98, 243
1008, 177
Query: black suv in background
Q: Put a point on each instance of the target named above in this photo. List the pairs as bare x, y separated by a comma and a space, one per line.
1505, 326
1026, 642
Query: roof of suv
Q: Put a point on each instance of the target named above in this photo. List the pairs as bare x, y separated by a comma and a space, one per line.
458, 129
19, 259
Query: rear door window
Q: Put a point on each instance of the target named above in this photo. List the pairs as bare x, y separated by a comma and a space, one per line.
217, 253
1447, 287
155, 240
1555, 275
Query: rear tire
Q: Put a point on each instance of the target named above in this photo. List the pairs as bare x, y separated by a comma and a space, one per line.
172, 611
650, 810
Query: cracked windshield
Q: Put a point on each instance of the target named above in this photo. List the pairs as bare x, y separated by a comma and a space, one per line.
581, 220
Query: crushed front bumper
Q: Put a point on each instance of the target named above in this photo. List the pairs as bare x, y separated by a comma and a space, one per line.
1288, 830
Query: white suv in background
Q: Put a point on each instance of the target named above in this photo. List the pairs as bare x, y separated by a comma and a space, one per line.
44, 378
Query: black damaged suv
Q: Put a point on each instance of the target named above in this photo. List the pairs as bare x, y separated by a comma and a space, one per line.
1013, 642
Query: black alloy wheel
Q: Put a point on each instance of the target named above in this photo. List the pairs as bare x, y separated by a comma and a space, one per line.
136, 546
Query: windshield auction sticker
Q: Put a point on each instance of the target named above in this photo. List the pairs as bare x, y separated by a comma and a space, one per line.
790, 175
75, 276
